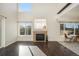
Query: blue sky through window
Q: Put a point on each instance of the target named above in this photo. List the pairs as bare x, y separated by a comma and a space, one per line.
71, 25
25, 7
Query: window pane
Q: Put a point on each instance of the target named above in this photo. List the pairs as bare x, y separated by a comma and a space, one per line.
61, 28
77, 29
69, 28
25, 28
28, 28
22, 29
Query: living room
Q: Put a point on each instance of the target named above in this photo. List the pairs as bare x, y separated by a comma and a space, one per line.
31, 29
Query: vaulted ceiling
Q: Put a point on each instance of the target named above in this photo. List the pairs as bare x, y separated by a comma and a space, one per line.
45, 9
41, 9
73, 14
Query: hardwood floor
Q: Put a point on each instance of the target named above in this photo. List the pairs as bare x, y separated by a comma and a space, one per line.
49, 48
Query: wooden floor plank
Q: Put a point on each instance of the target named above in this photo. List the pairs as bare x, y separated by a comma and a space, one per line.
50, 49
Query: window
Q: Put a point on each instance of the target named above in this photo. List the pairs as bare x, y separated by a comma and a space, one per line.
70, 28
40, 23
77, 29
22, 28
25, 7
25, 28
61, 28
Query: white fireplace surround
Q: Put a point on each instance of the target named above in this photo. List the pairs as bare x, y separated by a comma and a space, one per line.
39, 32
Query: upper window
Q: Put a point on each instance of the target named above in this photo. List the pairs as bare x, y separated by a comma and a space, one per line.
25, 7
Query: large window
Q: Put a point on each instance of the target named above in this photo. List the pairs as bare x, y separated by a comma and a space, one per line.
40, 24
25, 28
70, 28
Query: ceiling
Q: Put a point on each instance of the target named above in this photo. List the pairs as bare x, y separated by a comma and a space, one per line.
45, 9
73, 14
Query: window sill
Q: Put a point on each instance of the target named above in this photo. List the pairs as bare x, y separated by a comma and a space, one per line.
24, 35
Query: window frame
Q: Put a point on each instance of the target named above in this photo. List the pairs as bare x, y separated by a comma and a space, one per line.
64, 27
25, 29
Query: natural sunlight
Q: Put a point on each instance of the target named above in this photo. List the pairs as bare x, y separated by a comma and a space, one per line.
25, 7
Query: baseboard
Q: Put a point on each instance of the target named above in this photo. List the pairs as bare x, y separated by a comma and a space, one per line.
24, 40
9, 43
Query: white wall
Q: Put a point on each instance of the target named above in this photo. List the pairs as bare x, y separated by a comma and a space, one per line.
11, 29
10, 11
53, 29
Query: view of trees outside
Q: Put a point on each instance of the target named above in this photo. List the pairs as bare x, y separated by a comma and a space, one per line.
22, 30
25, 28
28, 30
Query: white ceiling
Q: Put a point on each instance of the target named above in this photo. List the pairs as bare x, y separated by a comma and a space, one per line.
45, 9
72, 14
38, 9
8, 8
5, 7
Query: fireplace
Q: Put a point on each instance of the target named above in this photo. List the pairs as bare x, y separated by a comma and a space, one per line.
40, 37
